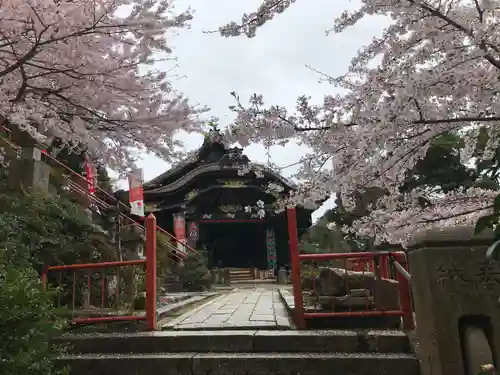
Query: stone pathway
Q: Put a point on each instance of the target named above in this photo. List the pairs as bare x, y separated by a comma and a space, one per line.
256, 308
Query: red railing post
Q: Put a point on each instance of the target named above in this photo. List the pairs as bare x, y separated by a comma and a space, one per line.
293, 241
384, 266
404, 295
45, 272
151, 272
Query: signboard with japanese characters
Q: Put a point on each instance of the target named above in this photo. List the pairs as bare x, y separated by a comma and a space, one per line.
271, 250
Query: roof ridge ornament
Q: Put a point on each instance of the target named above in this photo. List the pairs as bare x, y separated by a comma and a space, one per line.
213, 135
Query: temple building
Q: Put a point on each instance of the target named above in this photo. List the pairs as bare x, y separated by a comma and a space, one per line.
225, 207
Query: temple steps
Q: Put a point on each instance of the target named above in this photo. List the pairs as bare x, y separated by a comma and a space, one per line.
241, 274
242, 352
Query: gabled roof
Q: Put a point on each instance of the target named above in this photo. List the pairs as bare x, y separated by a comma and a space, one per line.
209, 157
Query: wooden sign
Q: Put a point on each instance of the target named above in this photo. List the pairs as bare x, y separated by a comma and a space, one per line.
194, 233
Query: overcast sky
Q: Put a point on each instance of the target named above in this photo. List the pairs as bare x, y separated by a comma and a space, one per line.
273, 63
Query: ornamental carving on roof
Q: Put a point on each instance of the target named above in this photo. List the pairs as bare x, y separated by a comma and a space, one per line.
192, 194
231, 208
234, 155
232, 183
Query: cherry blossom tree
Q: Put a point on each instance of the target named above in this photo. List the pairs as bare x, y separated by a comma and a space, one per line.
434, 71
82, 71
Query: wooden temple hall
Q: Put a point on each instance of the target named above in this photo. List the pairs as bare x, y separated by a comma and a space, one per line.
218, 208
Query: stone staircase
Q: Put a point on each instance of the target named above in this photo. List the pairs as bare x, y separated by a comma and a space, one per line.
362, 352
241, 274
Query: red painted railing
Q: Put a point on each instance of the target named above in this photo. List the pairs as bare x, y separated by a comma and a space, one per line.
380, 263
100, 202
150, 281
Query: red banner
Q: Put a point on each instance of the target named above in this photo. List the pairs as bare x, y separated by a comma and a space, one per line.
180, 232
90, 175
136, 194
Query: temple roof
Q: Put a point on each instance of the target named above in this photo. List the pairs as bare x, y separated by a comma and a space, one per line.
213, 155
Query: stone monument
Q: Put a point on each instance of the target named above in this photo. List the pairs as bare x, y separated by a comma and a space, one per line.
29, 171
456, 291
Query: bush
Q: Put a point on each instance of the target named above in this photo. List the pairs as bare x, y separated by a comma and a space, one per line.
42, 228
35, 229
194, 275
28, 323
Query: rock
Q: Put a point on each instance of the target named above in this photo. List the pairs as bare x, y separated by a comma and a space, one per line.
345, 303
337, 282
359, 293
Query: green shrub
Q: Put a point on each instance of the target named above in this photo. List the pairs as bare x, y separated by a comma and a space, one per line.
27, 323
41, 228
194, 275
35, 229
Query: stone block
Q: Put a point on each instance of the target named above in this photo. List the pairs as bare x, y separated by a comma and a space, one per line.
336, 282
262, 317
97, 364
303, 363
29, 174
214, 273
226, 276
455, 288
282, 276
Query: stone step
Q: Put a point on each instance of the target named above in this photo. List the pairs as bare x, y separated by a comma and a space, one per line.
245, 277
242, 363
241, 270
241, 277
328, 341
241, 273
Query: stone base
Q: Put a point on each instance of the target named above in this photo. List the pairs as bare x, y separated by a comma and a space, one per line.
243, 363
329, 341
29, 174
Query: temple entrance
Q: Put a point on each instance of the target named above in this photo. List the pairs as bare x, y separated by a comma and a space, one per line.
234, 244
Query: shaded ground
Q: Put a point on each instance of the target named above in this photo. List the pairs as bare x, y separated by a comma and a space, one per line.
248, 308
176, 305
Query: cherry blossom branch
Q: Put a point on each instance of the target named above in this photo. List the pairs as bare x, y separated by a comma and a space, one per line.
250, 22
438, 74
415, 122
78, 72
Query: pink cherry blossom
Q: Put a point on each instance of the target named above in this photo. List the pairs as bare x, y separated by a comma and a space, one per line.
434, 70
83, 71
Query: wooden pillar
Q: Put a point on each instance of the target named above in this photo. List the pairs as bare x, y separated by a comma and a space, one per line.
293, 242
151, 272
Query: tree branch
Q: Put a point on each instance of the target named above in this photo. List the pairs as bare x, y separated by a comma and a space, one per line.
415, 122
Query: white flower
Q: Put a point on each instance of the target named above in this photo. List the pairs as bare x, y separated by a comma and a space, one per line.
432, 71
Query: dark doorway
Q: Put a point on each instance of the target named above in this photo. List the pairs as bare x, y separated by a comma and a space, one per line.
234, 244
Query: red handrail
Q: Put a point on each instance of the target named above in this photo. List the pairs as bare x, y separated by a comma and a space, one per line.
114, 199
73, 186
91, 266
406, 311
150, 266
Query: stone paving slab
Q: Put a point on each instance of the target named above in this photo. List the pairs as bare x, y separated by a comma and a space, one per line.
257, 308
163, 310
